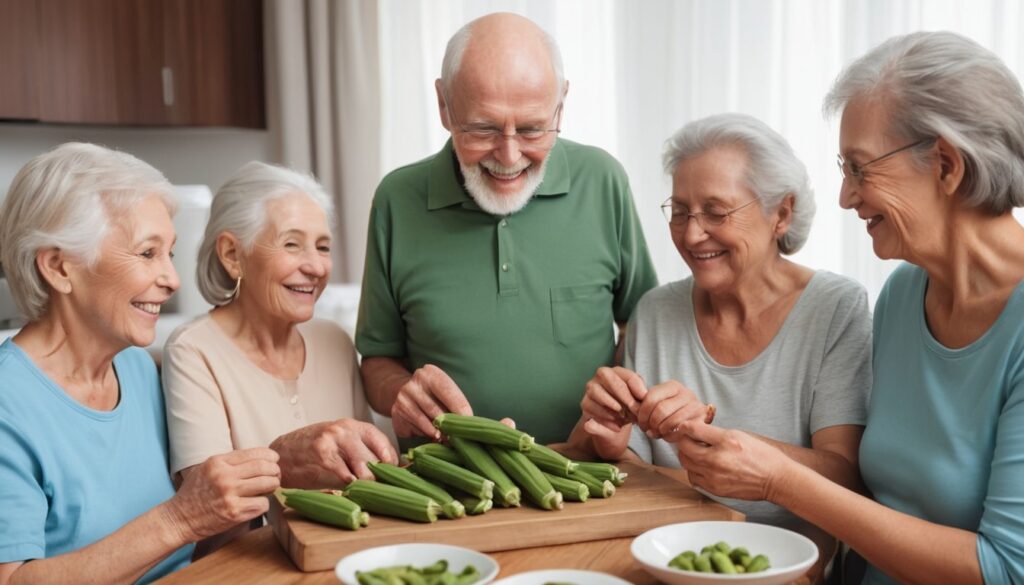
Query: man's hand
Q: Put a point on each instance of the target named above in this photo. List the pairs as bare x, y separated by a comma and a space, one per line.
428, 393
331, 454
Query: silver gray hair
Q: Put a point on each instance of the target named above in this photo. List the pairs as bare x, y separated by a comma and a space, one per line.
65, 199
944, 84
240, 207
457, 48
773, 170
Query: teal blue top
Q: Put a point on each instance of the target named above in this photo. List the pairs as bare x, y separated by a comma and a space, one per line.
71, 475
945, 430
518, 310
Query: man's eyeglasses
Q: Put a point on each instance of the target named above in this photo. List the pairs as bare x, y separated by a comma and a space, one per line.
482, 137
852, 170
678, 216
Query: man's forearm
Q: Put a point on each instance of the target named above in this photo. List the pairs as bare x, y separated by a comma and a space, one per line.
383, 377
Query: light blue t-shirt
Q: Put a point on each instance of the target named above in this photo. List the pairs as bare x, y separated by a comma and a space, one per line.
71, 475
945, 431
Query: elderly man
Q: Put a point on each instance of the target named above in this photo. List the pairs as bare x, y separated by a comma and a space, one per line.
496, 267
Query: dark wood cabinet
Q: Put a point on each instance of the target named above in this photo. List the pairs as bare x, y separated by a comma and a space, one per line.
133, 62
19, 97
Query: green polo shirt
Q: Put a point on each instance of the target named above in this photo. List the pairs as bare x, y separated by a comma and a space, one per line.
518, 310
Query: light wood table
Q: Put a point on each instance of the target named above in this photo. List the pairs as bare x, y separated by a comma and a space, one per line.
257, 558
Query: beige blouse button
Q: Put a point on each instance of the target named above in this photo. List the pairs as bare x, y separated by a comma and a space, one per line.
294, 399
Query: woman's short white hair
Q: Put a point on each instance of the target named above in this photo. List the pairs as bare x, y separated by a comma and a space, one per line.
457, 48
240, 207
64, 199
943, 84
773, 170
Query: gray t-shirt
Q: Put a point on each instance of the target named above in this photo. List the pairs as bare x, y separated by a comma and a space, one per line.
814, 374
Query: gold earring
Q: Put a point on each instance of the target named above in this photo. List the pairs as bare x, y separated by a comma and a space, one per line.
238, 287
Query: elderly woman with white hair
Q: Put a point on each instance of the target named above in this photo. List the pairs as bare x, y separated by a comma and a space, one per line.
85, 242
782, 351
258, 370
932, 156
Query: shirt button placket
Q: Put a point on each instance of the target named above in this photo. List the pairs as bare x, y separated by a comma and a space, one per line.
507, 282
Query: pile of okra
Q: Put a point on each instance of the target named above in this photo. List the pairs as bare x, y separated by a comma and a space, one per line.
485, 463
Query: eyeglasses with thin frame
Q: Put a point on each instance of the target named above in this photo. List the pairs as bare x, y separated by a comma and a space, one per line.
483, 137
852, 170
679, 216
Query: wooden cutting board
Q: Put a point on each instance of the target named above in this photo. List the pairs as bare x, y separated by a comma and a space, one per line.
647, 499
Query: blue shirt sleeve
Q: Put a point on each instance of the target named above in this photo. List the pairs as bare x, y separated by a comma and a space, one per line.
23, 521
1001, 533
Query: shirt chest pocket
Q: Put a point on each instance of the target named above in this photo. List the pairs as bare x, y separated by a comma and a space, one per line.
581, 313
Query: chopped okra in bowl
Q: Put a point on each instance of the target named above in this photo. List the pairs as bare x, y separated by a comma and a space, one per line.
399, 563
707, 553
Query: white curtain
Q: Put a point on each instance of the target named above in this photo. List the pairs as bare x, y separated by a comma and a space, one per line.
350, 91
640, 70
323, 104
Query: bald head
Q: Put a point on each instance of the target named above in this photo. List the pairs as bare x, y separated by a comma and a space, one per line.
504, 48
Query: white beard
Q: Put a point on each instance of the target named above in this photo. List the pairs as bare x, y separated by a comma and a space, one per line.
497, 203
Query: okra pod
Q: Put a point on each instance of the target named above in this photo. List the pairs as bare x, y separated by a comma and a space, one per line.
452, 475
551, 461
603, 471
438, 450
597, 487
758, 564
477, 459
483, 430
326, 508
526, 474
721, 563
389, 500
475, 506
569, 488
403, 478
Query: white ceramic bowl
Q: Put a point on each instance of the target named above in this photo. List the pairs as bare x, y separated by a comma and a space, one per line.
574, 576
791, 554
418, 555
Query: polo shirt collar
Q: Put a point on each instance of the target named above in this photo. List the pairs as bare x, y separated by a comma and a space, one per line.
444, 189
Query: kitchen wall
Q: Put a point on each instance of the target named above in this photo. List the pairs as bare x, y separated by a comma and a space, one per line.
185, 155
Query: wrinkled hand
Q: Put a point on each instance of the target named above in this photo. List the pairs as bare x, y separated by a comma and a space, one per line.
223, 491
611, 401
331, 454
728, 462
428, 393
666, 408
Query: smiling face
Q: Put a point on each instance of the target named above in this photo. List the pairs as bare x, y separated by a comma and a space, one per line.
722, 256
119, 299
897, 200
290, 261
505, 84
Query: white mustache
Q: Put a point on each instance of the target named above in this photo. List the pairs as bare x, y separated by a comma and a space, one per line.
500, 169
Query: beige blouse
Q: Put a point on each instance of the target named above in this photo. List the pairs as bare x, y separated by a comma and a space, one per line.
218, 400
